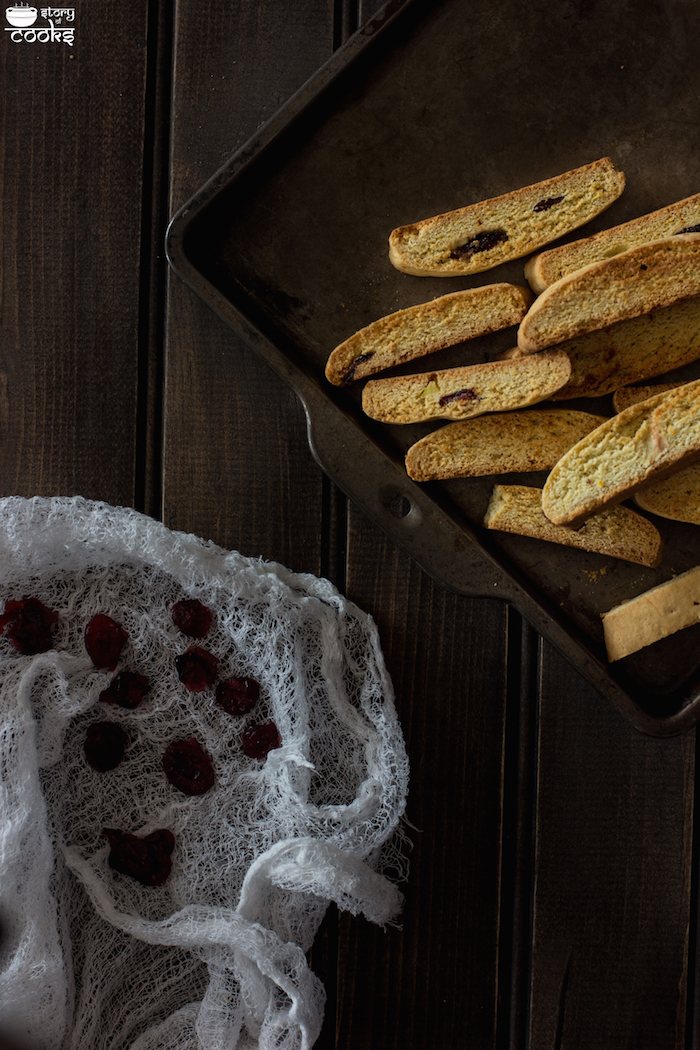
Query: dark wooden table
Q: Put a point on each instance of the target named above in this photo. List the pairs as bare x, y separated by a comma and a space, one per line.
552, 898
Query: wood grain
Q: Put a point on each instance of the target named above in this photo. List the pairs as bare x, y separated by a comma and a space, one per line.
434, 983
613, 864
236, 464
73, 148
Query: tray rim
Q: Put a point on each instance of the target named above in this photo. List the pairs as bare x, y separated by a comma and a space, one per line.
322, 414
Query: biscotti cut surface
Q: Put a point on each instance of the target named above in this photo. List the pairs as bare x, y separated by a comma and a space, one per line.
642, 444
505, 442
632, 351
618, 532
633, 283
473, 390
481, 236
426, 328
547, 267
658, 613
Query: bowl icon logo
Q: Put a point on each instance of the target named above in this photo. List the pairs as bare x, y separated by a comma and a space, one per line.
21, 16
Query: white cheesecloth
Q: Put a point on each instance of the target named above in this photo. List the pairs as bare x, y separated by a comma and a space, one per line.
214, 958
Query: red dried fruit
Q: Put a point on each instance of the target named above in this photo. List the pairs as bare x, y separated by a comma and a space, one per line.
237, 696
147, 860
196, 668
188, 767
192, 618
350, 374
27, 624
459, 395
256, 741
547, 203
104, 745
127, 689
104, 641
481, 242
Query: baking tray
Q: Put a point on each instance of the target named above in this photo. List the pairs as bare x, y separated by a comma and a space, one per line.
428, 107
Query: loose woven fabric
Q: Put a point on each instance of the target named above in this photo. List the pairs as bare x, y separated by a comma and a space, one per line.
213, 959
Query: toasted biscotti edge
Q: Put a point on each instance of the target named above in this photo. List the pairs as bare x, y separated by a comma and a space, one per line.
632, 395
655, 274
617, 533
657, 613
425, 328
549, 266
505, 227
500, 443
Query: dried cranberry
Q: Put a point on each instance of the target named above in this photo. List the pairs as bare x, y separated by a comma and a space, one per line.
256, 741
27, 623
104, 641
481, 242
127, 689
196, 668
188, 767
192, 618
104, 745
147, 860
350, 374
237, 696
459, 395
547, 203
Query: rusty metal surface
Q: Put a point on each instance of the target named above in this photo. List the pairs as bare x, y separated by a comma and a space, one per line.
429, 107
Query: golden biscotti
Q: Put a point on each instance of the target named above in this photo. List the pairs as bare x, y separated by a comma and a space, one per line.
426, 328
550, 266
655, 614
678, 496
652, 276
501, 443
483, 235
644, 443
473, 390
618, 532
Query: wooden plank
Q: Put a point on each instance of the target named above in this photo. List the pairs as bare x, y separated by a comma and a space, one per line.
236, 464
434, 983
72, 141
612, 883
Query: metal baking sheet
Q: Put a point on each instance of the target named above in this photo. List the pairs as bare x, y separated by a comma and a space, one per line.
429, 107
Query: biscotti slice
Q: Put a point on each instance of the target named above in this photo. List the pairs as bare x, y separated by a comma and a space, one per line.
547, 267
632, 395
473, 390
642, 444
632, 351
481, 236
633, 283
618, 532
655, 614
676, 497
502, 443
427, 327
